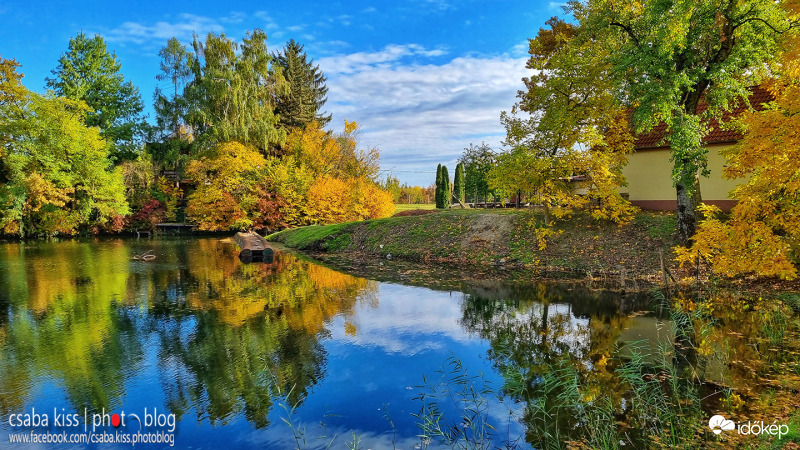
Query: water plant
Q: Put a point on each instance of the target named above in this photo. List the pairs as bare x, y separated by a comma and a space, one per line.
455, 388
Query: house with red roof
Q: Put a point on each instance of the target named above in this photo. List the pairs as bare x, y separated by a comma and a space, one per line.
649, 169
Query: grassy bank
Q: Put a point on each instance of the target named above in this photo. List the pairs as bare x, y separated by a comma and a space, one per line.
507, 238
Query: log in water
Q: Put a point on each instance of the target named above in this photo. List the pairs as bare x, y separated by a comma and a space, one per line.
253, 247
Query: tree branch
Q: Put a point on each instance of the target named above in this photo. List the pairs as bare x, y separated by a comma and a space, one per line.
628, 30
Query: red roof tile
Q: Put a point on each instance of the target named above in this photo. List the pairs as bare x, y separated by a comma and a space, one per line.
655, 137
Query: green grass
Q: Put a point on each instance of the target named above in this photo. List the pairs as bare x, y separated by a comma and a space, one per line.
322, 237
469, 237
659, 225
406, 207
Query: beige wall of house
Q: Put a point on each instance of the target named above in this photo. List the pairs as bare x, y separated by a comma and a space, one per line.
649, 175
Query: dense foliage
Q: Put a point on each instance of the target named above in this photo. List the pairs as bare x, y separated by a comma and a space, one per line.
458, 183
762, 234
57, 177
477, 161
659, 59
567, 137
89, 73
238, 144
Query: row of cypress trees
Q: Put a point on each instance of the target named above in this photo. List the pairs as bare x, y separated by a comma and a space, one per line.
443, 194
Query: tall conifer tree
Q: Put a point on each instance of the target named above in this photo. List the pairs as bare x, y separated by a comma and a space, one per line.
302, 102
438, 192
459, 182
88, 72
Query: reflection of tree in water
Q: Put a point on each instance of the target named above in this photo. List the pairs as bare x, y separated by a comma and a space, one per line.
253, 330
536, 329
63, 321
230, 334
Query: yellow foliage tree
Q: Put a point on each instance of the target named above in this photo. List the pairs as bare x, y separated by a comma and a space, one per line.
325, 178
291, 182
232, 190
376, 203
315, 149
331, 200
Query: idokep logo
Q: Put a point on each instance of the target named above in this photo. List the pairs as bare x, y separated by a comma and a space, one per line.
718, 424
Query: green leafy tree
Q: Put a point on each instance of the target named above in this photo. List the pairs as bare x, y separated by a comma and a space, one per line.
458, 183
89, 73
232, 95
59, 179
12, 98
438, 194
301, 103
666, 56
477, 161
392, 185
170, 104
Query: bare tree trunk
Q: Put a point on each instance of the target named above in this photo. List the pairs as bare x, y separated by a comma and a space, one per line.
547, 215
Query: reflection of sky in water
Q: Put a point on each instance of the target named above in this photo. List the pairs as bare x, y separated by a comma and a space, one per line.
375, 374
374, 348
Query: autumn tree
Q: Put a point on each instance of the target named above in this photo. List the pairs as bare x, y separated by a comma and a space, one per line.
762, 234
332, 200
566, 124
231, 96
317, 149
301, 103
664, 57
546, 176
291, 181
357, 161
58, 178
88, 72
233, 191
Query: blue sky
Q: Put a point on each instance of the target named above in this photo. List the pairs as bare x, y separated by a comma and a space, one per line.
424, 78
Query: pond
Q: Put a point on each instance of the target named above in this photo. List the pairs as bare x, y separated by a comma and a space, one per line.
199, 350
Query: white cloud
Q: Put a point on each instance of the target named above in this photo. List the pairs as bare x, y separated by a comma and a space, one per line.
441, 5
387, 327
521, 49
234, 17
182, 28
421, 113
185, 25
356, 63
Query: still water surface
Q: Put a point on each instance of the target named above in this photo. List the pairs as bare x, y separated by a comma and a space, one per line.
236, 350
